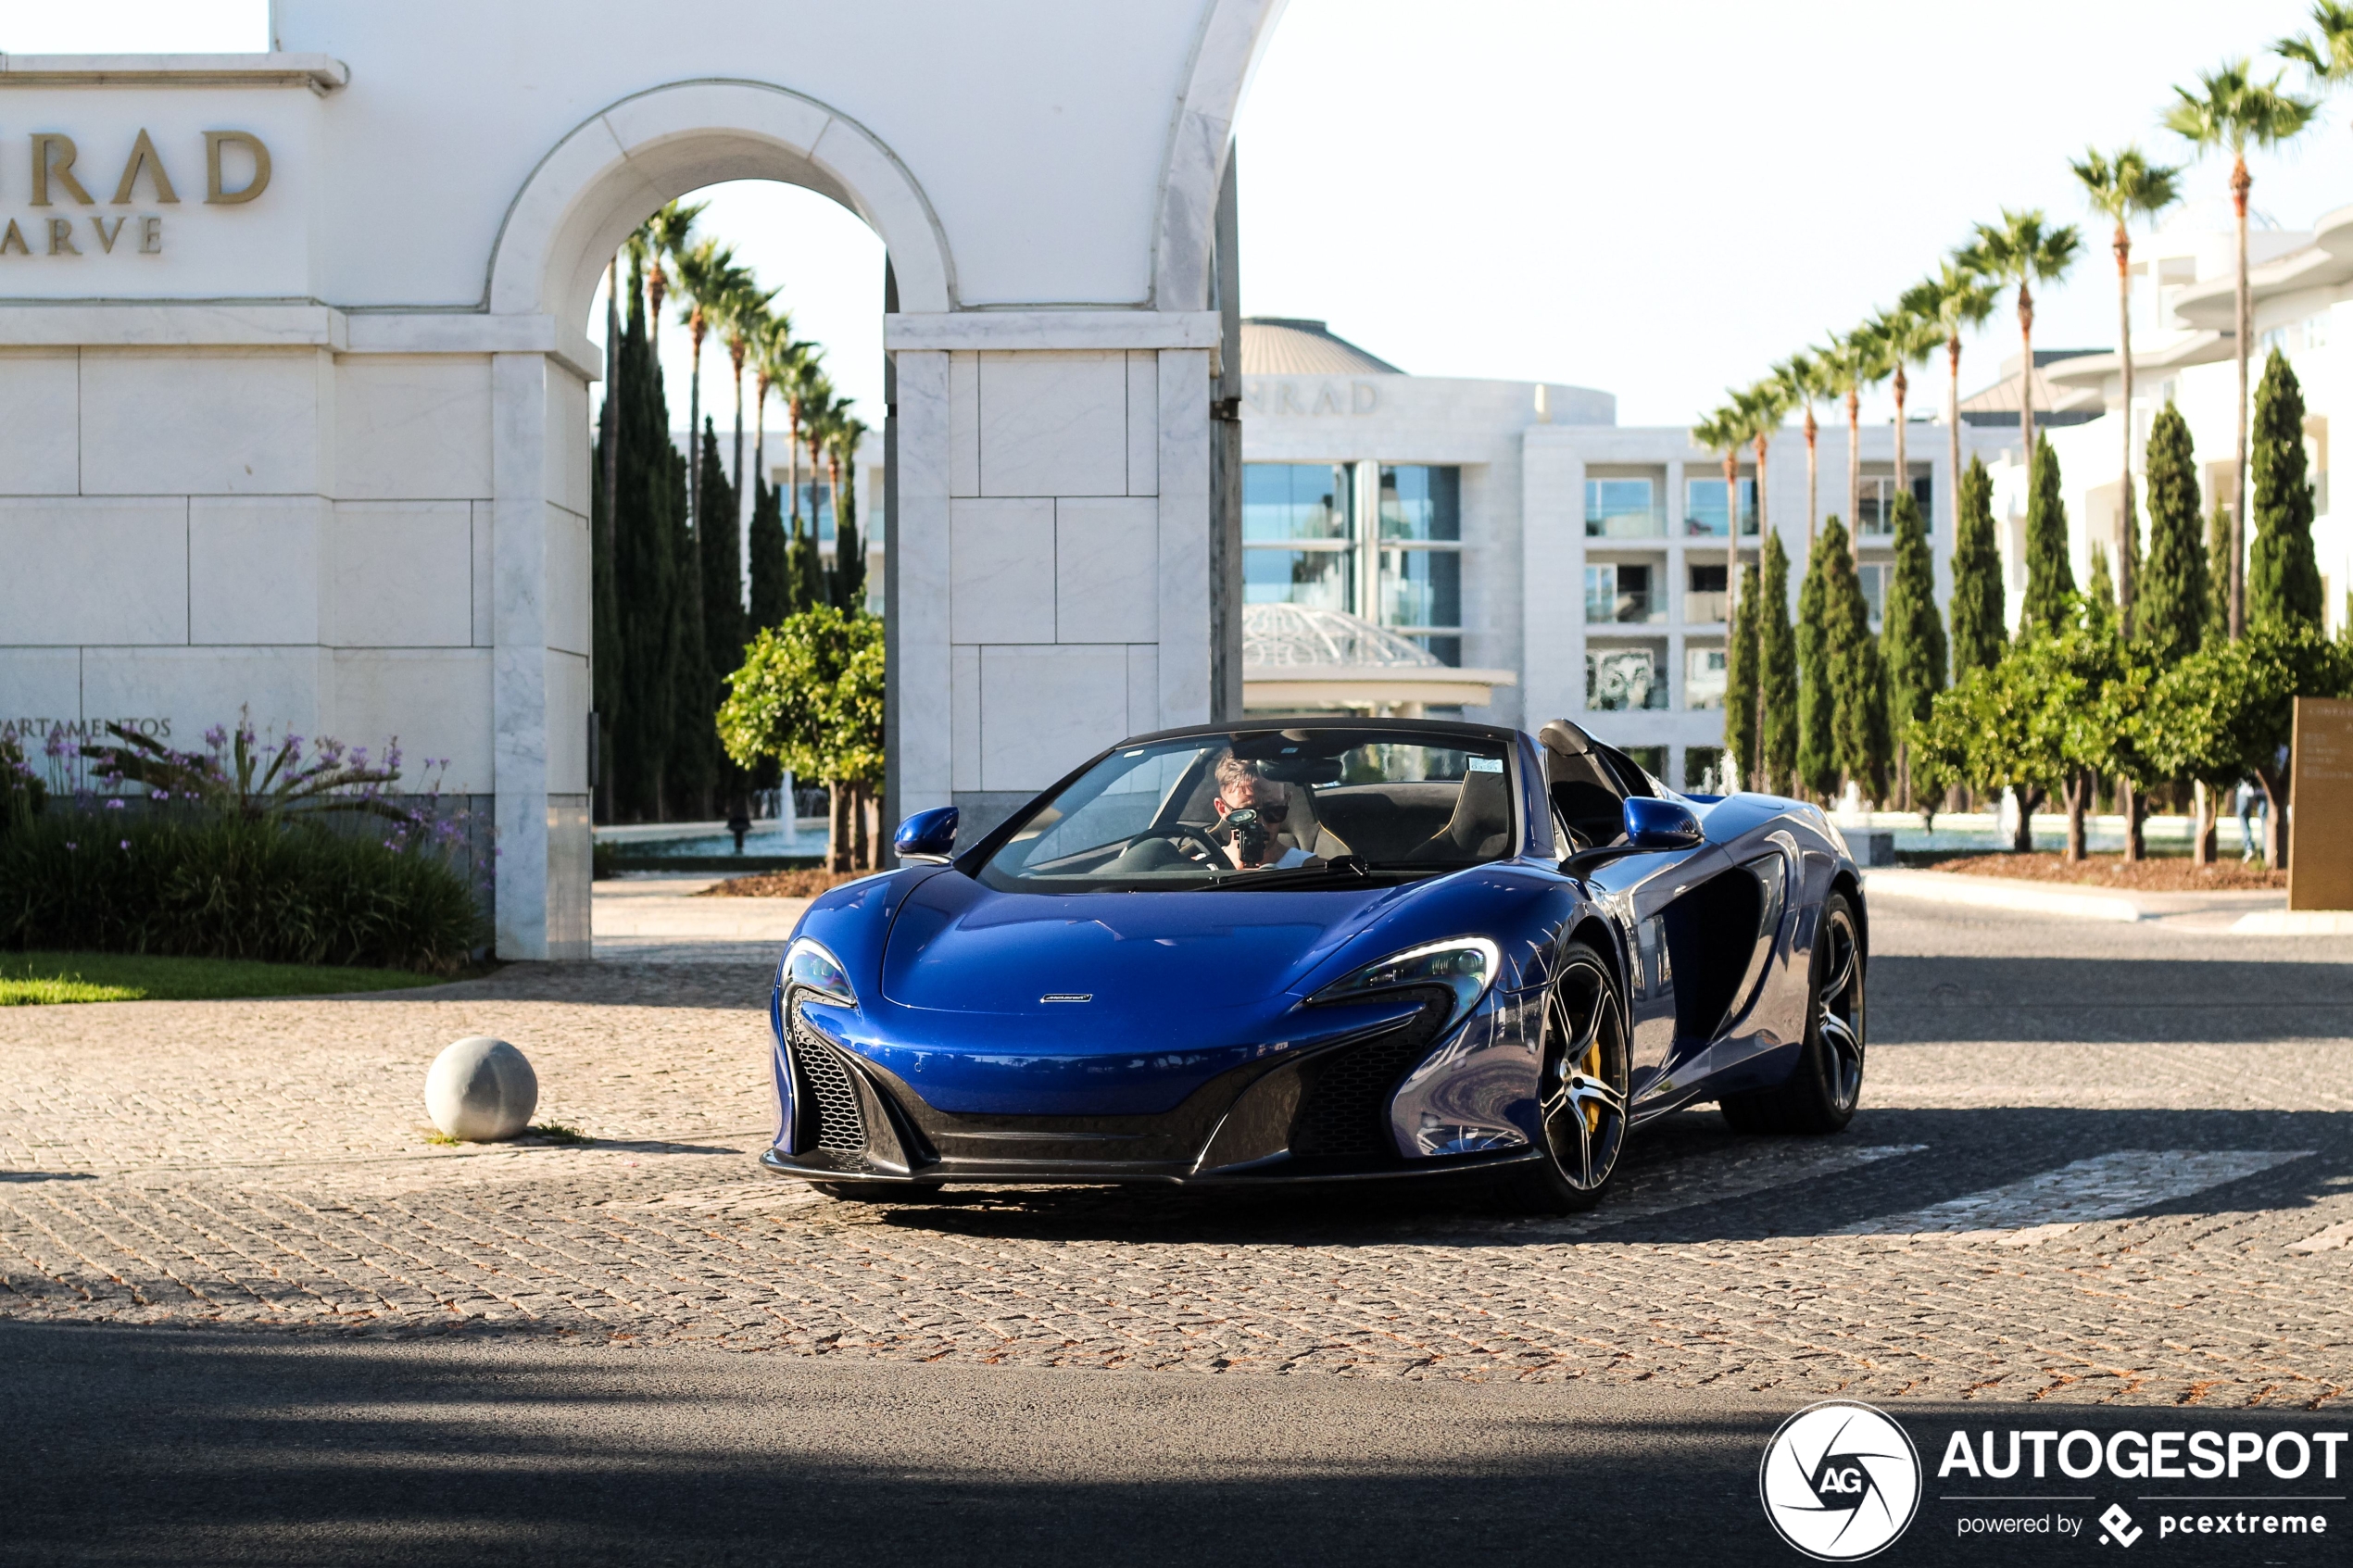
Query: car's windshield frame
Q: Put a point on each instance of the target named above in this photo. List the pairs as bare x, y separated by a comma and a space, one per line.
1346, 871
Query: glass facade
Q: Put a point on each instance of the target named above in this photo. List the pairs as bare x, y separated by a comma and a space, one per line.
1703, 678
1875, 504
1312, 536
1702, 767
1704, 509
1299, 535
1622, 508
816, 502
1618, 680
1621, 591
1873, 576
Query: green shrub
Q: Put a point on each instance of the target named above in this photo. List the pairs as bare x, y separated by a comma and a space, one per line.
225, 888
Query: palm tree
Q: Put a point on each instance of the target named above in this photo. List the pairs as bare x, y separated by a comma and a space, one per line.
2330, 59
667, 235
1727, 430
2125, 186
707, 270
1858, 359
2024, 249
743, 317
1905, 339
772, 347
1764, 406
1803, 379
803, 382
2229, 110
1959, 296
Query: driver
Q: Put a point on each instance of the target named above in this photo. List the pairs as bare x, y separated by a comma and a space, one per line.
1252, 812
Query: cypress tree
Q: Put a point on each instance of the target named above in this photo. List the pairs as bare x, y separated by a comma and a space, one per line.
604, 610
1777, 671
2099, 603
2282, 574
649, 499
691, 770
1741, 684
2168, 604
804, 573
769, 601
2218, 575
1857, 678
850, 551
723, 567
1979, 628
1914, 640
2050, 576
1816, 734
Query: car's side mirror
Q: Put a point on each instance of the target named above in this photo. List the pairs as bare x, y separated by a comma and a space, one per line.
1652, 824
927, 837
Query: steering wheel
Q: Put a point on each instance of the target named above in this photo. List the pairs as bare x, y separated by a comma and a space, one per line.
1182, 833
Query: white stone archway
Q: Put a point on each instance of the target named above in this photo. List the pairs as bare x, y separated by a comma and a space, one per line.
325, 452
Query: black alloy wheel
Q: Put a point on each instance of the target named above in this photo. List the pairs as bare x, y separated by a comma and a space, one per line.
1827, 1084
1581, 1089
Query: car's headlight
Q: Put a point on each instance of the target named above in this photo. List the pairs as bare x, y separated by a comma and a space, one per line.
808, 967
1465, 965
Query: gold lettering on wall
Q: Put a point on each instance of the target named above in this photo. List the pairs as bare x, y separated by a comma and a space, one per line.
14, 240
108, 236
151, 236
52, 155
61, 237
213, 142
143, 155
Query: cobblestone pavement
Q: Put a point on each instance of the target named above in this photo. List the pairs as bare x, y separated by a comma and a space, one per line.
262, 1165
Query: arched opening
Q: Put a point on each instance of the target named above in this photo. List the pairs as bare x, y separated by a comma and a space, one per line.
559, 236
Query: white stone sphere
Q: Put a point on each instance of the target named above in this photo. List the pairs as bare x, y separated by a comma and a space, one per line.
482, 1090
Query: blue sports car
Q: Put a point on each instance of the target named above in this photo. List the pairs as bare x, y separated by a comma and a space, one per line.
1323, 949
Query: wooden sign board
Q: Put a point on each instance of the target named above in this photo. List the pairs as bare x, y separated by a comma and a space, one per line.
2319, 862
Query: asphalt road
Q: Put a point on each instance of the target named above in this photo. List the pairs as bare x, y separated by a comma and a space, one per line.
163, 1443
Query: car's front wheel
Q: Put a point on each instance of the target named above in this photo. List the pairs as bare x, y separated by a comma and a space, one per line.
1581, 1090
1826, 1083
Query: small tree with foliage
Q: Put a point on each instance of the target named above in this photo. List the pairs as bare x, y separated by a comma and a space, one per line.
2218, 575
1858, 679
1816, 712
2282, 574
2229, 710
808, 697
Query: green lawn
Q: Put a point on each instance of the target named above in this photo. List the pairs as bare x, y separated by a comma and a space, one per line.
30, 979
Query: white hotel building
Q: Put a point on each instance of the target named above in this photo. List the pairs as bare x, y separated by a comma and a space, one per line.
1514, 529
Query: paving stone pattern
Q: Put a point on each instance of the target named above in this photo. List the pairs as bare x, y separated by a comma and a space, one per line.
263, 1164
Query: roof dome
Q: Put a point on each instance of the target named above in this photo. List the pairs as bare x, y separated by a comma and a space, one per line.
1294, 635
1293, 345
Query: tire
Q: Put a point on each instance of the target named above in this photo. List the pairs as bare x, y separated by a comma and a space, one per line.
1827, 1084
1582, 1091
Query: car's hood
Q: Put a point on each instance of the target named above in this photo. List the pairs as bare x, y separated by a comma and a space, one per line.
959, 947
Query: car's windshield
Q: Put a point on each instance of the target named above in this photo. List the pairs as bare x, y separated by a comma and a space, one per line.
1288, 809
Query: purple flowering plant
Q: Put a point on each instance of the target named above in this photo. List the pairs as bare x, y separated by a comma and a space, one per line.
244, 774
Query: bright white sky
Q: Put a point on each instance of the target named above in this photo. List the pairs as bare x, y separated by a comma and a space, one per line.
1656, 200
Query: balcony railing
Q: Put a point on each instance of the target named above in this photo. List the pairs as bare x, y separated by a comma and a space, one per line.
1703, 609
1709, 525
1641, 608
1627, 522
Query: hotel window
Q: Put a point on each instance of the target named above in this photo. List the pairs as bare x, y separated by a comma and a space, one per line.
1704, 509
1621, 508
1703, 597
1620, 679
1875, 504
1420, 587
1618, 591
816, 504
1874, 576
1298, 534
1651, 759
1703, 678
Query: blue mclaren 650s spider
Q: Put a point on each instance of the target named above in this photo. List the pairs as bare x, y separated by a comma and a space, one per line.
1321, 949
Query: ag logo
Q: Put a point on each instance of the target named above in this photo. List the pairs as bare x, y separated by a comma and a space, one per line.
1840, 1481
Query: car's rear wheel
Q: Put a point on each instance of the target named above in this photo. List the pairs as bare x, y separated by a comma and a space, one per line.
1827, 1084
1581, 1090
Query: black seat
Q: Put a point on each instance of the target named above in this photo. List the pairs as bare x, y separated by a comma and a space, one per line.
1481, 825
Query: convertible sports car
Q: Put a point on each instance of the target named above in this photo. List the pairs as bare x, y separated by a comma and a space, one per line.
1319, 949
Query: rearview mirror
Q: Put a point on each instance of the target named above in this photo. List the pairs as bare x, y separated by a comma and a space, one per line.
1652, 824
927, 837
